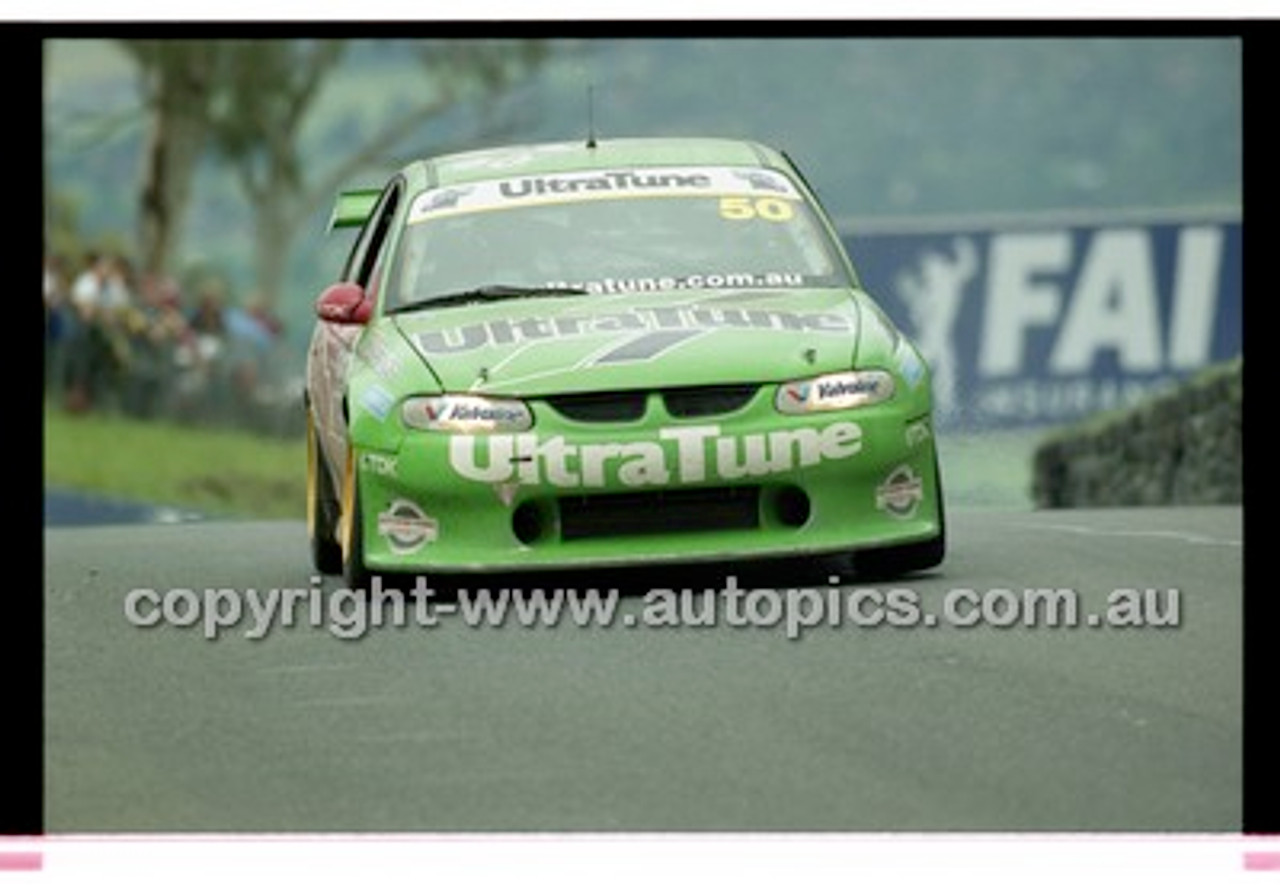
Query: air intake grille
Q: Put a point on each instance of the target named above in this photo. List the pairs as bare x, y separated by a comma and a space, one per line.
669, 511
601, 406
622, 406
713, 400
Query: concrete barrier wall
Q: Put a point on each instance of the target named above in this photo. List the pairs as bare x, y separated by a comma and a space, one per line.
1183, 447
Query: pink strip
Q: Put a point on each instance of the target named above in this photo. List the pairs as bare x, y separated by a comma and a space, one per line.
21, 861
1262, 861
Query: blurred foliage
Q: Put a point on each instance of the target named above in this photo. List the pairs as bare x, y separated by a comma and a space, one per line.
62, 226
890, 126
271, 88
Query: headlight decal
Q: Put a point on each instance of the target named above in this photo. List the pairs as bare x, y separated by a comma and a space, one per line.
840, 390
465, 414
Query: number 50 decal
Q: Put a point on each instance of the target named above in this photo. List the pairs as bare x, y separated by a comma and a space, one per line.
744, 208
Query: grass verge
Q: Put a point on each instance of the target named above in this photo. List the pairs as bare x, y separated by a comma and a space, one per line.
988, 469
220, 472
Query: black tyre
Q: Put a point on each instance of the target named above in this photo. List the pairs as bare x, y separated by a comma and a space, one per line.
322, 509
354, 573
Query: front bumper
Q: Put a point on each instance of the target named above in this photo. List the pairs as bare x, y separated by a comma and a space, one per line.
747, 485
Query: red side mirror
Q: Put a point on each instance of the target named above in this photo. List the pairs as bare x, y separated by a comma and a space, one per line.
344, 303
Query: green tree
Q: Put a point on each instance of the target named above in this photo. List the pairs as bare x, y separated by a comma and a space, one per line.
272, 86
249, 100
178, 79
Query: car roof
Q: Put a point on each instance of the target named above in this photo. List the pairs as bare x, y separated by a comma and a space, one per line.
552, 157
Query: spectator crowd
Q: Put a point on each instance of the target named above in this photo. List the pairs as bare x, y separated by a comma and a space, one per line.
134, 344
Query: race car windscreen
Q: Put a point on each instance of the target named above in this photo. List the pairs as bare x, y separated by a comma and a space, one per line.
615, 232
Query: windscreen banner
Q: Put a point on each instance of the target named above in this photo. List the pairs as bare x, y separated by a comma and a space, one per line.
1036, 321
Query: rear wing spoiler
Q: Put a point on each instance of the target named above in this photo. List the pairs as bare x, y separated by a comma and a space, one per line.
353, 208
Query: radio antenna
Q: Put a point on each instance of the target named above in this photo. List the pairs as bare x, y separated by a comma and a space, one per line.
591, 115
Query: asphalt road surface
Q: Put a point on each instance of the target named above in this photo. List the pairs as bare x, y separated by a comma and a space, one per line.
696, 728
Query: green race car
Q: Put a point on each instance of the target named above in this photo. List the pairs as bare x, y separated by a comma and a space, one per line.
635, 351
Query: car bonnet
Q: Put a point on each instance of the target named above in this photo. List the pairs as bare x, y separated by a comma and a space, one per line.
566, 344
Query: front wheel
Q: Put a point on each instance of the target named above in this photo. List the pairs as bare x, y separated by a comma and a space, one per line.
322, 508
354, 573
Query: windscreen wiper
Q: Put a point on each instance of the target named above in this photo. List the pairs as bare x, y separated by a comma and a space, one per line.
493, 292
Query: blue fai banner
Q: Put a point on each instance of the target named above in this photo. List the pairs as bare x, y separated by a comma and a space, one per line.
1036, 323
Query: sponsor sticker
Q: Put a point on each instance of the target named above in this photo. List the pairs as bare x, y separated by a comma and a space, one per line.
406, 527
472, 336
838, 391
379, 463
605, 184
685, 454
378, 401
462, 413
917, 432
911, 367
901, 493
